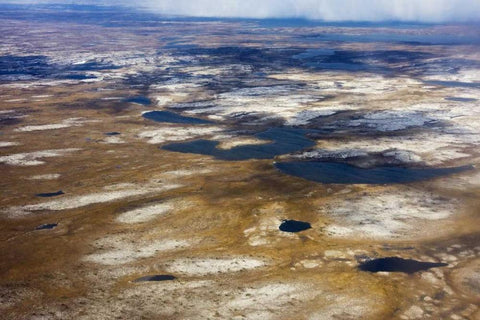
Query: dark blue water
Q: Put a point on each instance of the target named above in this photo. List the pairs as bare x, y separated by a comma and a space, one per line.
79, 76
113, 133
294, 226
459, 99
46, 226
412, 39
50, 194
170, 117
144, 101
453, 84
285, 140
395, 264
311, 53
160, 277
334, 172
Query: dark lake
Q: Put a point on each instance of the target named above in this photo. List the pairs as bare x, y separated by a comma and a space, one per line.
294, 226
46, 226
50, 194
395, 264
144, 101
284, 140
158, 277
459, 99
335, 172
170, 117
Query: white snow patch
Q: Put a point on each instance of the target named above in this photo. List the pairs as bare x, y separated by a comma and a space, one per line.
229, 142
206, 266
126, 252
174, 133
265, 232
148, 213
304, 117
49, 176
388, 215
88, 199
72, 122
253, 301
113, 140
391, 120
31, 158
4, 144
347, 307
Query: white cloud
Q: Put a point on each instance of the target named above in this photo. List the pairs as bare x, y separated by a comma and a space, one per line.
331, 10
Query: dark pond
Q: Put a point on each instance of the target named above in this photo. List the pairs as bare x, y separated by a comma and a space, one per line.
113, 133
334, 172
170, 117
294, 226
46, 226
50, 194
139, 100
159, 277
285, 140
395, 264
459, 99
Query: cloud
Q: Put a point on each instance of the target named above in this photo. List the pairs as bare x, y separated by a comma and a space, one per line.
330, 10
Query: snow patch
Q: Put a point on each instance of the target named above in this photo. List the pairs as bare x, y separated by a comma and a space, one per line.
206, 266
125, 252
387, 215
148, 213
31, 158
173, 133
88, 199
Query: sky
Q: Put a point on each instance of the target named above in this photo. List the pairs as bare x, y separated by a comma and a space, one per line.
329, 10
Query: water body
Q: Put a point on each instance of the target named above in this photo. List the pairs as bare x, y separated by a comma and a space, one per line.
412, 39
453, 84
395, 264
285, 140
459, 99
113, 133
341, 173
170, 117
47, 226
159, 277
294, 226
50, 194
312, 53
144, 101
79, 76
